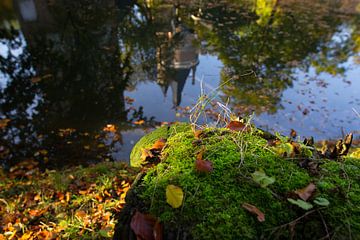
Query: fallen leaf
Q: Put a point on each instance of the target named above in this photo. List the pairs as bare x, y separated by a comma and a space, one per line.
143, 226
203, 166
236, 126
174, 196
197, 134
159, 144
140, 122
4, 122
307, 192
254, 210
321, 201
110, 128
293, 133
300, 203
262, 179
146, 153
158, 231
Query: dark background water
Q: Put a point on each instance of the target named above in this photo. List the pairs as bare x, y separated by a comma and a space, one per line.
68, 69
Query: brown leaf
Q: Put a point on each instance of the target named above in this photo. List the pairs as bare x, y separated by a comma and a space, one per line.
159, 144
236, 126
293, 133
203, 166
307, 192
197, 134
143, 226
158, 231
254, 210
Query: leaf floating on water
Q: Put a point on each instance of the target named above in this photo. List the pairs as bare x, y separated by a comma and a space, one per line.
236, 126
203, 166
254, 210
300, 203
262, 179
306, 192
143, 226
140, 122
174, 196
321, 201
159, 144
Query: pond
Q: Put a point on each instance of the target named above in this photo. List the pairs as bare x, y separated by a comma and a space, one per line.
82, 81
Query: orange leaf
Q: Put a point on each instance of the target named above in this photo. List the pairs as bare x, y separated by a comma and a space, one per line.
307, 192
140, 122
146, 153
254, 210
198, 133
159, 144
143, 226
203, 166
236, 126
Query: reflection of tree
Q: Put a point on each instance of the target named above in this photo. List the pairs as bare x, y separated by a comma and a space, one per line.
72, 71
271, 40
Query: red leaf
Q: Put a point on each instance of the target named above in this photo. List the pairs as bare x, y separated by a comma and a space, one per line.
236, 126
143, 226
203, 166
254, 210
307, 192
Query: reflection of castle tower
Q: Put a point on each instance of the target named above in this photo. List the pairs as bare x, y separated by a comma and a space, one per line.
175, 61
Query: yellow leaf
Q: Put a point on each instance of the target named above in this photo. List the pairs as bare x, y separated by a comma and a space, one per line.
174, 196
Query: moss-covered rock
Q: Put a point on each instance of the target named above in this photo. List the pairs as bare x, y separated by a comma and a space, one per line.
148, 140
212, 206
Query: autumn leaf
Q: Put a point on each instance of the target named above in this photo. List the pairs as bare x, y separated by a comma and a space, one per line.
293, 133
262, 179
110, 128
237, 126
159, 144
4, 122
300, 203
174, 196
197, 134
140, 122
251, 208
203, 166
307, 192
143, 226
146, 153
158, 231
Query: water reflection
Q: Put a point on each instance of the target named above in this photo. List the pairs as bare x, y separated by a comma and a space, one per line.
69, 67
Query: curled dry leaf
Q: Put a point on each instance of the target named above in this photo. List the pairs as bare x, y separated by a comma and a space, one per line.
251, 208
146, 153
159, 144
197, 134
203, 166
293, 133
307, 192
237, 126
146, 227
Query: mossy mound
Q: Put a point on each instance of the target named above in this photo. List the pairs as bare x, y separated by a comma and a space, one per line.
147, 141
212, 206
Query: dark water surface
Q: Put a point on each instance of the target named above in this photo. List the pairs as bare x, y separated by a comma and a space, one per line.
82, 80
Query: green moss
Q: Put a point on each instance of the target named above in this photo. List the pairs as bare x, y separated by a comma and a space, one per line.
213, 201
147, 141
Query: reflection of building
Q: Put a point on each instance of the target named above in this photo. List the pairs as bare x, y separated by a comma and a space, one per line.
175, 61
